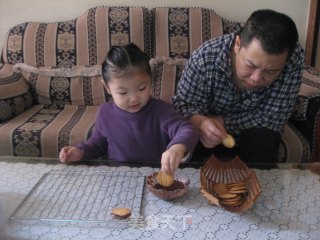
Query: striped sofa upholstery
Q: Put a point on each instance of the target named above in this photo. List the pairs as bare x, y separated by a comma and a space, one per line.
83, 41
179, 31
50, 88
56, 64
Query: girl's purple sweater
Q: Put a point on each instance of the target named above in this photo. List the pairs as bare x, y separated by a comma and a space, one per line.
141, 136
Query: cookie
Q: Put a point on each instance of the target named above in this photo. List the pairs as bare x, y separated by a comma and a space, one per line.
232, 201
165, 179
231, 204
220, 188
227, 195
228, 141
121, 213
237, 188
236, 184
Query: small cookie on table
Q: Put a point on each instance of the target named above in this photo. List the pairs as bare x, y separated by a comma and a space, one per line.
121, 213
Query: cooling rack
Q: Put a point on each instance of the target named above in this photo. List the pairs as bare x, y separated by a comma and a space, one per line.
87, 195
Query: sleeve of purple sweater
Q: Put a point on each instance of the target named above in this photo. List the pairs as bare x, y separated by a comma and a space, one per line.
96, 145
179, 129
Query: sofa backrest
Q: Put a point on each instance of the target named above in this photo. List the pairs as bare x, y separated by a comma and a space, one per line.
179, 31
161, 32
164, 33
82, 41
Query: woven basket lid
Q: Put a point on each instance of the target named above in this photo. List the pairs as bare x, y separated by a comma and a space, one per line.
232, 171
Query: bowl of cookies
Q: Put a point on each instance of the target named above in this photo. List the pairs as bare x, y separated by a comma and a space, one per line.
229, 184
166, 186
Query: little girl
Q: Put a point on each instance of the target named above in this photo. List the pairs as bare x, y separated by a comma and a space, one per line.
134, 126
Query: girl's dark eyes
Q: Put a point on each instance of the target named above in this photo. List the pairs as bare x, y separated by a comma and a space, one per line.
141, 89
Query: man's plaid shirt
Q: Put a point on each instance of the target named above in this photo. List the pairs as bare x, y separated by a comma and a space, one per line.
206, 87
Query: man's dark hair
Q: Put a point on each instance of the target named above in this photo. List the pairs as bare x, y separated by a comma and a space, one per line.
276, 31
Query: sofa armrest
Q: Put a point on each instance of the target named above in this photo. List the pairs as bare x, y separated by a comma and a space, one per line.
308, 122
15, 94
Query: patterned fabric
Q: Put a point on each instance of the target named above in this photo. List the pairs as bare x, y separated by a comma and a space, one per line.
15, 95
78, 85
43, 130
166, 74
58, 44
179, 31
300, 109
309, 126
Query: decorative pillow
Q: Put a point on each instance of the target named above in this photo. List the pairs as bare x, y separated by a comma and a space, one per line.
15, 95
181, 30
78, 85
166, 73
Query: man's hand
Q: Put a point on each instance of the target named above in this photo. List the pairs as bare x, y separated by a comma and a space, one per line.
211, 129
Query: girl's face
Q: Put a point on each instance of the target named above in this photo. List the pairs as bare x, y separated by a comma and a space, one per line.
130, 92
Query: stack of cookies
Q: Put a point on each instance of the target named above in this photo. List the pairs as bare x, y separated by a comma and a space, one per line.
231, 194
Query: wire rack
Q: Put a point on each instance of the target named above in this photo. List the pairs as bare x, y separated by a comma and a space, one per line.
87, 195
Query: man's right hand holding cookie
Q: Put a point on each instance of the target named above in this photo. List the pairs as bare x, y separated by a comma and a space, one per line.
211, 129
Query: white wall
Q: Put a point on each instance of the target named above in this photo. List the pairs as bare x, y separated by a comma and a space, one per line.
13, 12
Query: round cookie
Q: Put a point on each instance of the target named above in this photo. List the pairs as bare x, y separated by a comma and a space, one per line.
220, 188
121, 213
228, 141
165, 179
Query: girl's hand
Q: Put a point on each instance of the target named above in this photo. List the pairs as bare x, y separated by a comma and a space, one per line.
70, 154
172, 157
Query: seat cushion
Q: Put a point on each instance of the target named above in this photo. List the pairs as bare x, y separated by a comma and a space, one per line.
43, 130
294, 148
15, 94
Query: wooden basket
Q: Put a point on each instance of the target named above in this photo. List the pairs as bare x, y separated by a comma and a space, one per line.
229, 172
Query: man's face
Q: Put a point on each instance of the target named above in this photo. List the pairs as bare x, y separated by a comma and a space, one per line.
254, 68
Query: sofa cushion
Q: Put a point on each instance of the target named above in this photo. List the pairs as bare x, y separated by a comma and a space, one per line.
310, 88
166, 73
78, 85
294, 148
82, 41
43, 130
179, 31
15, 95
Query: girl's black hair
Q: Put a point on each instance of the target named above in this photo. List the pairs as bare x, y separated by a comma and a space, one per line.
121, 60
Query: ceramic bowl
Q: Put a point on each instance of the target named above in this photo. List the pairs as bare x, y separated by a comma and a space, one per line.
176, 190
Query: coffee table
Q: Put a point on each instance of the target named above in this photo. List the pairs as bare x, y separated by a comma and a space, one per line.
287, 208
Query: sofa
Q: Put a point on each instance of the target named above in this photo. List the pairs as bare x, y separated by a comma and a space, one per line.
50, 88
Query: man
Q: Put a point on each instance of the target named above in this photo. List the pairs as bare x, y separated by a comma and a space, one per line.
246, 84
